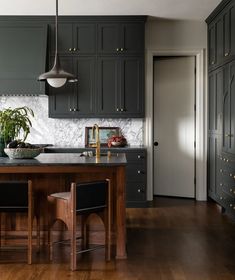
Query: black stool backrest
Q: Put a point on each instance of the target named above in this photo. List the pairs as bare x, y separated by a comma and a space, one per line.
91, 197
13, 196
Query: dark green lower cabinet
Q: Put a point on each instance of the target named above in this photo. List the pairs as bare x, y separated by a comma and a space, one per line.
136, 172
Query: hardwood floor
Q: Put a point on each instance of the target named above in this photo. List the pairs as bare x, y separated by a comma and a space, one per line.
176, 239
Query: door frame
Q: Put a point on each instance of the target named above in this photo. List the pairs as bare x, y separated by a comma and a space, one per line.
200, 118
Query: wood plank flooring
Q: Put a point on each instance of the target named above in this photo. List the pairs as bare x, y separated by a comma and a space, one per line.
175, 239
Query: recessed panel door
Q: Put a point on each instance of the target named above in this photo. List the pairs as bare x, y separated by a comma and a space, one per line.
174, 126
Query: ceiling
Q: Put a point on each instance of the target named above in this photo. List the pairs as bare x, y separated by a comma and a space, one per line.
168, 9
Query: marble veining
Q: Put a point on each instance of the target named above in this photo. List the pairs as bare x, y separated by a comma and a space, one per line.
68, 132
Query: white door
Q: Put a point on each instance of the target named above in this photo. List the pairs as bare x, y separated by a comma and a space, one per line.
174, 126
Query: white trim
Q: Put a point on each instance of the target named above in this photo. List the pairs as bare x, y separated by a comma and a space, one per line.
201, 118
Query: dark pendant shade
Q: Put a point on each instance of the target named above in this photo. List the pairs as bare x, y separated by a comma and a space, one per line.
57, 77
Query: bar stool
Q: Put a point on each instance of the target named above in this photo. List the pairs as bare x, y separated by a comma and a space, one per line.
82, 200
17, 197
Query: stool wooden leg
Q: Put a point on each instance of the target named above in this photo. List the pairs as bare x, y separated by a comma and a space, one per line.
30, 229
38, 233
0, 229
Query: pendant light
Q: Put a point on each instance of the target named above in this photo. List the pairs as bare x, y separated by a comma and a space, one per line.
57, 77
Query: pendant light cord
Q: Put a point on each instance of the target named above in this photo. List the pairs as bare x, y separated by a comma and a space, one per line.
56, 28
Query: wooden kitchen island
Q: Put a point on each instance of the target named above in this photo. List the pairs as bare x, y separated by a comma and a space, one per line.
52, 173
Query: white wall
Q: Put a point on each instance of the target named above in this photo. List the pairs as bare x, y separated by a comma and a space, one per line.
173, 34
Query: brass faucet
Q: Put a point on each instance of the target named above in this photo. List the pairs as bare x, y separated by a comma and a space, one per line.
97, 139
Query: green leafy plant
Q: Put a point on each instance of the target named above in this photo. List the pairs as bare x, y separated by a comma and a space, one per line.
15, 123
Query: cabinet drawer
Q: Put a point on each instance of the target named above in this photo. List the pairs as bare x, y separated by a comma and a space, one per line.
138, 157
135, 191
135, 172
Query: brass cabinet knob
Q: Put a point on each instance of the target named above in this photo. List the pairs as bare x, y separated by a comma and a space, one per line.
118, 109
70, 109
230, 205
117, 49
231, 175
74, 49
122, 110
227, 160
212, 62
224, 159
140, 172
70, 49
140, 190
221, 170
122, 49
221, 184
221, 198
231, 190
226, 54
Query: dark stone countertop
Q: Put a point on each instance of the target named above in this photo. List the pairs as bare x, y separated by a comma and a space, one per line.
79, 149
55, 159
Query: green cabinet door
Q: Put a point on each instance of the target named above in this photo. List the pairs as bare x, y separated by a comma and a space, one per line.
211, 45
226, 111
108, 86
121, 39
232, 107
131, 95
61, 100
84, 103
229, 29
84, 38
65, 38
74, 38
108, 38
74, 100
132, 38
213, 168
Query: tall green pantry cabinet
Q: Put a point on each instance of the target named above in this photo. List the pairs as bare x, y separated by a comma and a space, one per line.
221, 105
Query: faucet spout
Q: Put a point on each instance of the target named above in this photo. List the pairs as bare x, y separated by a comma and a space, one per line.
96, 136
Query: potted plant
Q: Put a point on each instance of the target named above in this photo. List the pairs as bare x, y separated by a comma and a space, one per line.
14, 123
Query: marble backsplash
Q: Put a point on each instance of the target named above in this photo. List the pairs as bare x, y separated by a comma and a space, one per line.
68, 132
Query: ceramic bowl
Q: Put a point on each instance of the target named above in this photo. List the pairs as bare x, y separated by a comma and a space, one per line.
19, 153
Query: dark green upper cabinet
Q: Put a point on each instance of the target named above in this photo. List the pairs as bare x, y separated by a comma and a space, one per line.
74, 100
74, 38
120, 87
122, 38
23, 47
221, 41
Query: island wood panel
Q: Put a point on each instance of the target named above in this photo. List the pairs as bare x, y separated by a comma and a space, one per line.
50, 179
